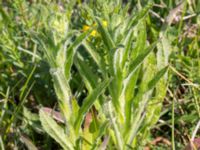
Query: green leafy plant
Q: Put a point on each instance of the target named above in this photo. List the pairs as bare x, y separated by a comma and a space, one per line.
93, 74
123, 86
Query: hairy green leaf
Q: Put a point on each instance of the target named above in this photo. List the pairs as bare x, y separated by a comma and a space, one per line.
88, 102
71, 51
55, 131
139, 16
106, 37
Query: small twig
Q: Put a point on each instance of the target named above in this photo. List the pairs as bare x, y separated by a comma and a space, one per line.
160, 5
183, 77
189, 16
195, 131
157, 15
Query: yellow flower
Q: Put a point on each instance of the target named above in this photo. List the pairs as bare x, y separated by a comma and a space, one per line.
85, 28
105, 24
93, 33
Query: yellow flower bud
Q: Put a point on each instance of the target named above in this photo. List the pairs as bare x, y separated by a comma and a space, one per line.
105, 24
85, 28
93, 33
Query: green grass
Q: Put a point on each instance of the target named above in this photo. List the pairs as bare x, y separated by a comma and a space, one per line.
99, 74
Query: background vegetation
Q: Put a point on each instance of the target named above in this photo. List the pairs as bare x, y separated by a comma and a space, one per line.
99, 74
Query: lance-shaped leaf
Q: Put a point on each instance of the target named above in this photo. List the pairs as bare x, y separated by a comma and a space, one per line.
118, 68
105, 36
130, 82
63, 92
140, 58
117, 83
47, 51
88, 102
118, 135
99, 135
71, 52
152, 83
55, 131
91, 50
132, 77
157, 77
86, 73
155, 106
139, 16
128, 45
141, 41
